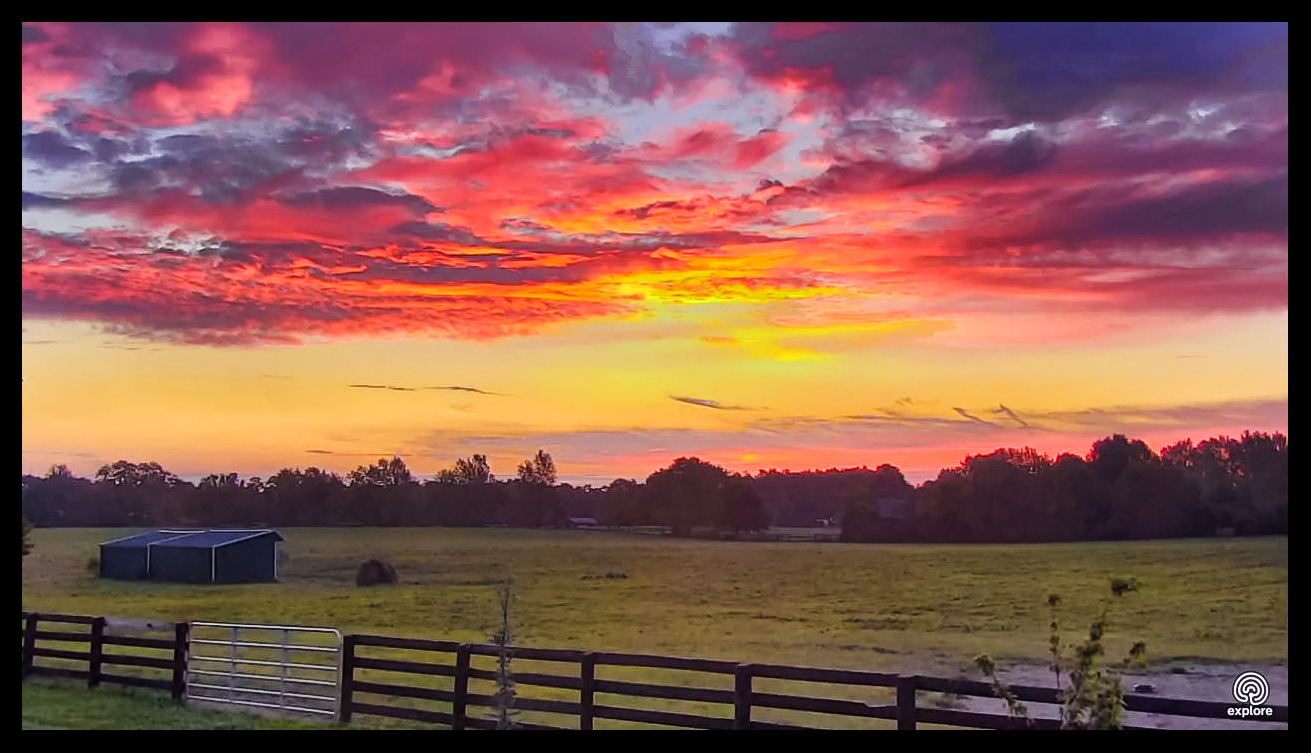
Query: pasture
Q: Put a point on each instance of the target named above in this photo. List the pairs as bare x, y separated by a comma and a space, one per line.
863, 606
921, 609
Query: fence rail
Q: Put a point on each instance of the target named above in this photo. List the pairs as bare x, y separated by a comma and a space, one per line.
454, 706
174, 661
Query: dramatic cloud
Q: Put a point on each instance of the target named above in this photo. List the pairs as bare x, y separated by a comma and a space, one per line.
866, 224
413, 160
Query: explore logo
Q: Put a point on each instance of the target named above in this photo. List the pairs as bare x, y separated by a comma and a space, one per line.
1251, 688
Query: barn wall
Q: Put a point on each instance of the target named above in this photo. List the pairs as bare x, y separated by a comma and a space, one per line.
249, 561
180, 564
122, 562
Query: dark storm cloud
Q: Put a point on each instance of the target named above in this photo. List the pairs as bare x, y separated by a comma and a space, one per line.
1047, 71
31, 200
185, 73
1033, 71
1026, 153
854, 55
51, 148
438, 231
224, 169
217, 175
34, 34
1214, 209
357, 197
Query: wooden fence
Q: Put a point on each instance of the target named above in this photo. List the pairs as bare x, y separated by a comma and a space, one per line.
453, 660
451, 663
174, 660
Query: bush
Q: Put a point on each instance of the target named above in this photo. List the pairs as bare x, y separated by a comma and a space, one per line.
1093, 700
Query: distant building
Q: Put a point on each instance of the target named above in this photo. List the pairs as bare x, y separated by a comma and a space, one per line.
194, 556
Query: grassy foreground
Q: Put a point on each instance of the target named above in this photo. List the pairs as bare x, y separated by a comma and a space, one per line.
50, 703
883, 607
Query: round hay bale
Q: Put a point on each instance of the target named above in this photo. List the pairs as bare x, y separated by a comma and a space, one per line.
375, 572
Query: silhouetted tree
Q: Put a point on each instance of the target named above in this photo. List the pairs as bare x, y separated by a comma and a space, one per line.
305, 498
1110, 456
124, 473
475, 470
540, 470
951, 509
536, 502
382, 473
140, 493
381, 493
688, 493
742, 508
1121, 490
624, 504
217, 500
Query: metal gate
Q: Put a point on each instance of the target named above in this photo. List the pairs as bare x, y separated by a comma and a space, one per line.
293, 670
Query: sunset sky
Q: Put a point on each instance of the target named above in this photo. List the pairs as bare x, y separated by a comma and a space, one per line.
256, 246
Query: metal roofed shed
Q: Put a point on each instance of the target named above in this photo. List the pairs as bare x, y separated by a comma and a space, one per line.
194, 556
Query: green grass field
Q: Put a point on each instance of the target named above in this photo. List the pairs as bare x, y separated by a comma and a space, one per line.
917, 608
61, 704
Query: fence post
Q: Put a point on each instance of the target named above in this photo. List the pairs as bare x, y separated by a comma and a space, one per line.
181, 648
347, 679
586, 694
29, 643
906, 685
461, 686
97, 651
742, 697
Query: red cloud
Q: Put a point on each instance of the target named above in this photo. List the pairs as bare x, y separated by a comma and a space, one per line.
206, 300
460, 178
757, 148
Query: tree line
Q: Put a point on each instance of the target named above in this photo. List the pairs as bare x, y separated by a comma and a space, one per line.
1120, 490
